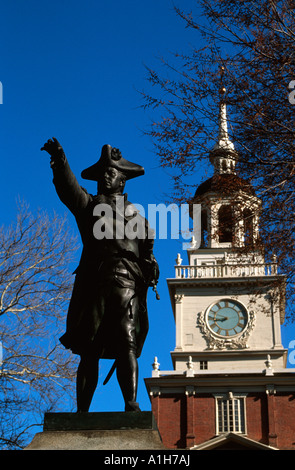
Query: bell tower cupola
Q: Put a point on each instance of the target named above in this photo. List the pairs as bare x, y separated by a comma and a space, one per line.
230, 208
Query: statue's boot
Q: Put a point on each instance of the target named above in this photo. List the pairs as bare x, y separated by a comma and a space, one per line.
132, 406
127, 373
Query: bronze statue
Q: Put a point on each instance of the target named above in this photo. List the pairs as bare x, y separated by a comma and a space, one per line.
107, 316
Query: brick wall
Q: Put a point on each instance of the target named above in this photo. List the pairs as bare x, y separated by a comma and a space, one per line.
183, 423
257, 417
204, 422
171, 419
285, 420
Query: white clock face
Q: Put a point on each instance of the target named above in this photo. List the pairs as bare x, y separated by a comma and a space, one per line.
227, 318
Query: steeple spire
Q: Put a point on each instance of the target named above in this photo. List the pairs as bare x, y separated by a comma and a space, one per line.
223, 155
223, 139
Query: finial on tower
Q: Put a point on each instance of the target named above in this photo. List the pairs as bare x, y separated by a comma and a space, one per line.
223, 154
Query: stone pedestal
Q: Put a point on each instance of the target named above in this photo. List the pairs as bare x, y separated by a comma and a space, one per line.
98, 431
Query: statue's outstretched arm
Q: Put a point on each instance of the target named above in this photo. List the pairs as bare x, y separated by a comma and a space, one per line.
66, 184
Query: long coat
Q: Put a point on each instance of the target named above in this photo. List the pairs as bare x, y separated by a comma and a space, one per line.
96, 273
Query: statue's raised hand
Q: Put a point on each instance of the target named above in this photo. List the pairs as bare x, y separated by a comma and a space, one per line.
55, 150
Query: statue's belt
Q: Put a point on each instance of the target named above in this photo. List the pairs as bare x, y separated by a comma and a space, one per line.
123, 272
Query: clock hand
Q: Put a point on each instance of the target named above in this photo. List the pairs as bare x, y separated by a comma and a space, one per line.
219, 319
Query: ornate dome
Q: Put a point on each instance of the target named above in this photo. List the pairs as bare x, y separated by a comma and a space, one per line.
225, 183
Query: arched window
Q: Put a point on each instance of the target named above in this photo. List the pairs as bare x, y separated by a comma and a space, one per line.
225, 224
248, 226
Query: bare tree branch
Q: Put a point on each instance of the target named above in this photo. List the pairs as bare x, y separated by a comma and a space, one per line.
35, 286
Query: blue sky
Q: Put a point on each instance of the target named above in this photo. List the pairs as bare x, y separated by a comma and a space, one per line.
72, 70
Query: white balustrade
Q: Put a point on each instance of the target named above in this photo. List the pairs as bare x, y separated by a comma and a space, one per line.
225, 270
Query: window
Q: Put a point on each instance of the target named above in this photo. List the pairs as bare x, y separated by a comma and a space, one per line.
230, 414
225, 224
203, 365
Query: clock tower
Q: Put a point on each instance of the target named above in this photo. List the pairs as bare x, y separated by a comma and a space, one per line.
229, 387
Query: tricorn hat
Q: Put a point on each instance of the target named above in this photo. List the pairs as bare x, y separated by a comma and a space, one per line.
112, 157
